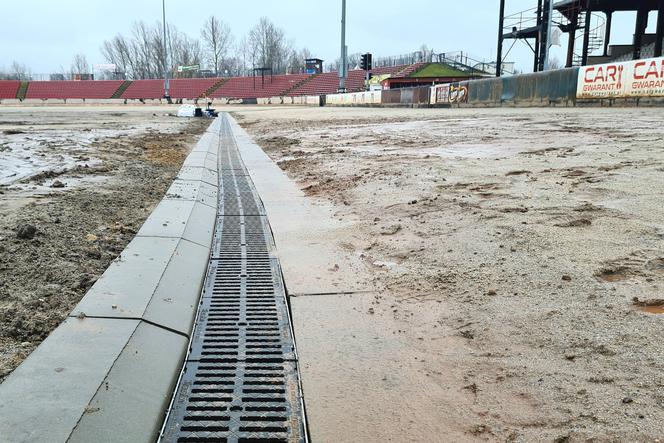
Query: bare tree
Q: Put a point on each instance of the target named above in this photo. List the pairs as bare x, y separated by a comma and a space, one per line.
185, 51
140, 49
118, 52
217, 39
243, 57
17, 71
296, 63
141, 55
354, 61
268, 46
425, 54
79, 65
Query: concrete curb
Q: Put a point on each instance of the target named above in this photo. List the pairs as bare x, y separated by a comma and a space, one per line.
305, 231
107, 373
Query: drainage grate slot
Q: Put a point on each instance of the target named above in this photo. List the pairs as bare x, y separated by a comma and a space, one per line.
240, 380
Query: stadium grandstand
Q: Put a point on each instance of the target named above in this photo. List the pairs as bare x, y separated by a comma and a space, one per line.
194, 88
9, 88
72, 89
254, 87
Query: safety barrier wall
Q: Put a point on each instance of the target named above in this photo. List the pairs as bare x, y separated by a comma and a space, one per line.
407, 96
355, 99
537, 89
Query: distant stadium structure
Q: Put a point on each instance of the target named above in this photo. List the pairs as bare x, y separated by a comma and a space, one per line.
247, 87
588, 25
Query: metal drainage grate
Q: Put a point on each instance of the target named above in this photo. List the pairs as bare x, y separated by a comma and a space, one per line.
240, 381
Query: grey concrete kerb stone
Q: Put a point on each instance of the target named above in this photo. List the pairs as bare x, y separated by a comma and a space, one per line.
305, 230
108, 371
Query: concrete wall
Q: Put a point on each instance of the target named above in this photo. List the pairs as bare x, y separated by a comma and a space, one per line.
107, 373
354, 99
406, 96
537, 89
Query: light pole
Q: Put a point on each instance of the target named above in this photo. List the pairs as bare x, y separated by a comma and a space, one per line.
343, 67
167, 94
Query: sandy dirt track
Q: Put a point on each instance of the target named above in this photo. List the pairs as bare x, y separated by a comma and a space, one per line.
85, 179
518, 264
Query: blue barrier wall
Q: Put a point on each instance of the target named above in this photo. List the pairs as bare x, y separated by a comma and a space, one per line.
537, 89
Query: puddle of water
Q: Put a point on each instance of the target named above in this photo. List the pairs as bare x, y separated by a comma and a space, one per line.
613, 275
655, 309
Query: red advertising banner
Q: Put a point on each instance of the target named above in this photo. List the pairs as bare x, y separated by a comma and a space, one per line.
637, 78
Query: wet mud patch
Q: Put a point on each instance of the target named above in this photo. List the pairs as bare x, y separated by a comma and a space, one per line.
614, 274
474, 278
13, 131
637, 265
56, 243
279, 142
652, 306
574, 223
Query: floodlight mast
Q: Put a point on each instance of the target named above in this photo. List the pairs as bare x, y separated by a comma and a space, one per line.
549, 27
344, 64
167, 94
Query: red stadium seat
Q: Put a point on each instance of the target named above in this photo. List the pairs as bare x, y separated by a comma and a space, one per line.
186, 88
192, 88
9, 88
100, 89
328, 83
253, 87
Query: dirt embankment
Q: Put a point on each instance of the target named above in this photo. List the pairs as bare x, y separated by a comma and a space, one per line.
61, 227
520, 255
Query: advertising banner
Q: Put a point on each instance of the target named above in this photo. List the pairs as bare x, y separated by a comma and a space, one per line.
105, 67
636, 78
449, 93
189, 68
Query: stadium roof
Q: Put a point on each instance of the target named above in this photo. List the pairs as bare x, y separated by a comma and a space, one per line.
608, 5
439, 70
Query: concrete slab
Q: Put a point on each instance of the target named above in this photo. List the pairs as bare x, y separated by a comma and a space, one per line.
202, 174
193, 191
174, 302
185, 219
127, 286
305, 232
44, 398
209, 142
202, 159
157, 279
129, 406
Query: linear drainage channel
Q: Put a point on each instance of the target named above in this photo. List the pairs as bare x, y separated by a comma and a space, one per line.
240, 381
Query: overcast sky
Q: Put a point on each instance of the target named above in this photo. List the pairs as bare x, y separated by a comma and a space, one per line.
45, 34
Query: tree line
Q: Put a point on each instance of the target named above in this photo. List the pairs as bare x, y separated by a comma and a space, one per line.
141, 54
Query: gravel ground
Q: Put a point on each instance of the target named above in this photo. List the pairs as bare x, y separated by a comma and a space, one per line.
77, 186
519, 255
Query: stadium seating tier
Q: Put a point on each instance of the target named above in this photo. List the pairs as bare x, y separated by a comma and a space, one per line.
101, 89
9, 88
186, 88
255, 87
234, 87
